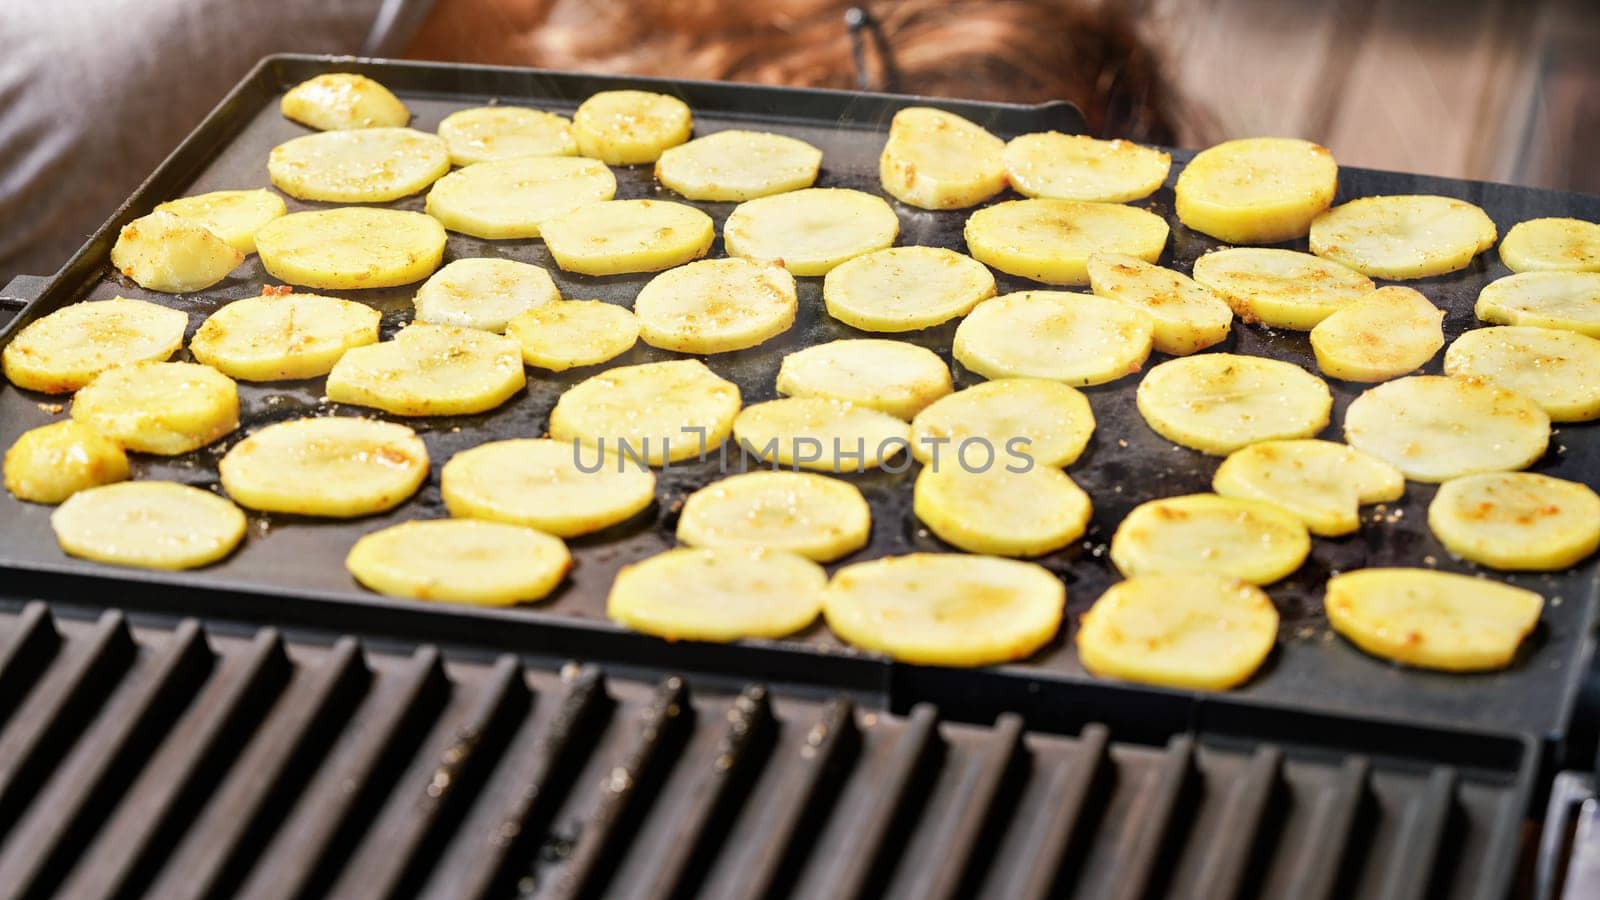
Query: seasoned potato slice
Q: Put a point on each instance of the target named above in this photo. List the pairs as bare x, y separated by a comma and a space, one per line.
946, 609
368, 165
1403, 236
490, 133
1001, 512
810, 231
1565, 300
50, 463
626, 128
1256, 190
897, 378
276, 337
1047, 421
460, 561
174, 255
65, 350
351, 248
483, 293
1434, 428
1079, 339
1394, 330
816, 433
512, 198
1559, 370
571, 333
234, 216
661, 412
339, 101
1570, 245
1219, 402
430, 370
1186, 316
336, 466
738, 165
1189, 630
1051, 240
1280, 288
166, 408
1244, 539
818, 517
938, 160
716, 305
614, 237
1079, 167
1322, 483
1516, 520
1430, 619
545, 484
148, 524
906, 288
718, 594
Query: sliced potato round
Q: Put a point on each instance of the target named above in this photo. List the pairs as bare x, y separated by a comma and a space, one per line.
999, 511
1244, 539
275, 337
1189, 630
906, 288
718, 594
512, 198
738, 165
626, 128
460, 561
938, 160
614, 237
1392, 331
1079, 167
571, 333
490, 133
897, 378
172, 254
1219, 402
335, 466
148, 524
820, 434
1570, 245
50, 463
545, 484
1079, 339
946, 609
1434, 428
166, 408
1516, 520
367, 165
661, 412
351, 248
1186, 316
234, 216
1431, 619
1280, 288
1047, 421
338, 101
1256, 190
1566, 300
1403, 236
1559, 370
812, 230
1321, 483
1051, 240
483, 293
63, 351
716, 305
818, 517
430, 370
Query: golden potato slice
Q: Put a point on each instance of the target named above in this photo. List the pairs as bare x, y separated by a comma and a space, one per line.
1321, 483
1219, 402
1281, 288
460, 561
571, 333
938, 160
1256, 190
174, 255
148, 524
718, 594
1430, 619
1051, 240
1046, 421
906, 288
234, 216
1244, 539
367, 165
1516, 520
1569, 245
738, 165
897, 378
820, 434
818, 517
716, 305
351, 248
999, 511
483, 293
1565, 300
614, 237
810, 231
1189, 630
166, 408
491, 133
550, 485
1434, 428
336, 466
626, 128
430, 370
1393, 331
659, 412
946, 609
50, 463
275, 337
1186, 316
63, 351
339, 101
1559, 370
1403, 236
1079, 167
512, 198
1079, 339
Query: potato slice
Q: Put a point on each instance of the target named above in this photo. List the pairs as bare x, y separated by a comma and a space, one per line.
718, 594
571, 333
1565, 300
545, 484
999, 511
50, 463
1256, 190
659, 412
460, 561
1244, 539
946, 609
1403, 236
1430, 619
1051, 240
1559, 370
234, 216
810, 231
1434, 428
1186, 316
1219, 402
818, 517
148, 524
824, 435
1516, 520
430, 370
738, 165
338, 101
367, 165
512, 198
1393, 331
1281, 288
491, 133
1191, 630
1569, 245
483, 293
166, 408
63, 351
1079, 339
906, 288
1322, 483
614, 237
626, 128
1046, 421
938, 160
1079, 167
174, 255
275, 337
351, 248
335, 466
716, 305
897, 378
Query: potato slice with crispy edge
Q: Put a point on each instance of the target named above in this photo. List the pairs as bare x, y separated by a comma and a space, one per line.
812, 230
906, 288
166, 408
336, 467
738, 165
460, 561
64, 350
614, 237
483, 293
1079, 339
938, 160
172, 254
1000, 511
659, 412
571, 333
1219, 402
50, 463
1516, 520
430, 370
1403, 236
1566, 300
1393, 331
491, 133
1256, 190
367, 165
1046, 421
1280, 288
717, 594
546, 484
626, 128
351, 248
1186, 316
1189, 630
1430, 619
339, 101
1559, 370
716, 306
1051, 240
818, 517
275, 337
149, 525
897, 378
1245, 539
234, 216
1570, 245
820, 434
1079, 167
1434, 428
512, 198
1321, 483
